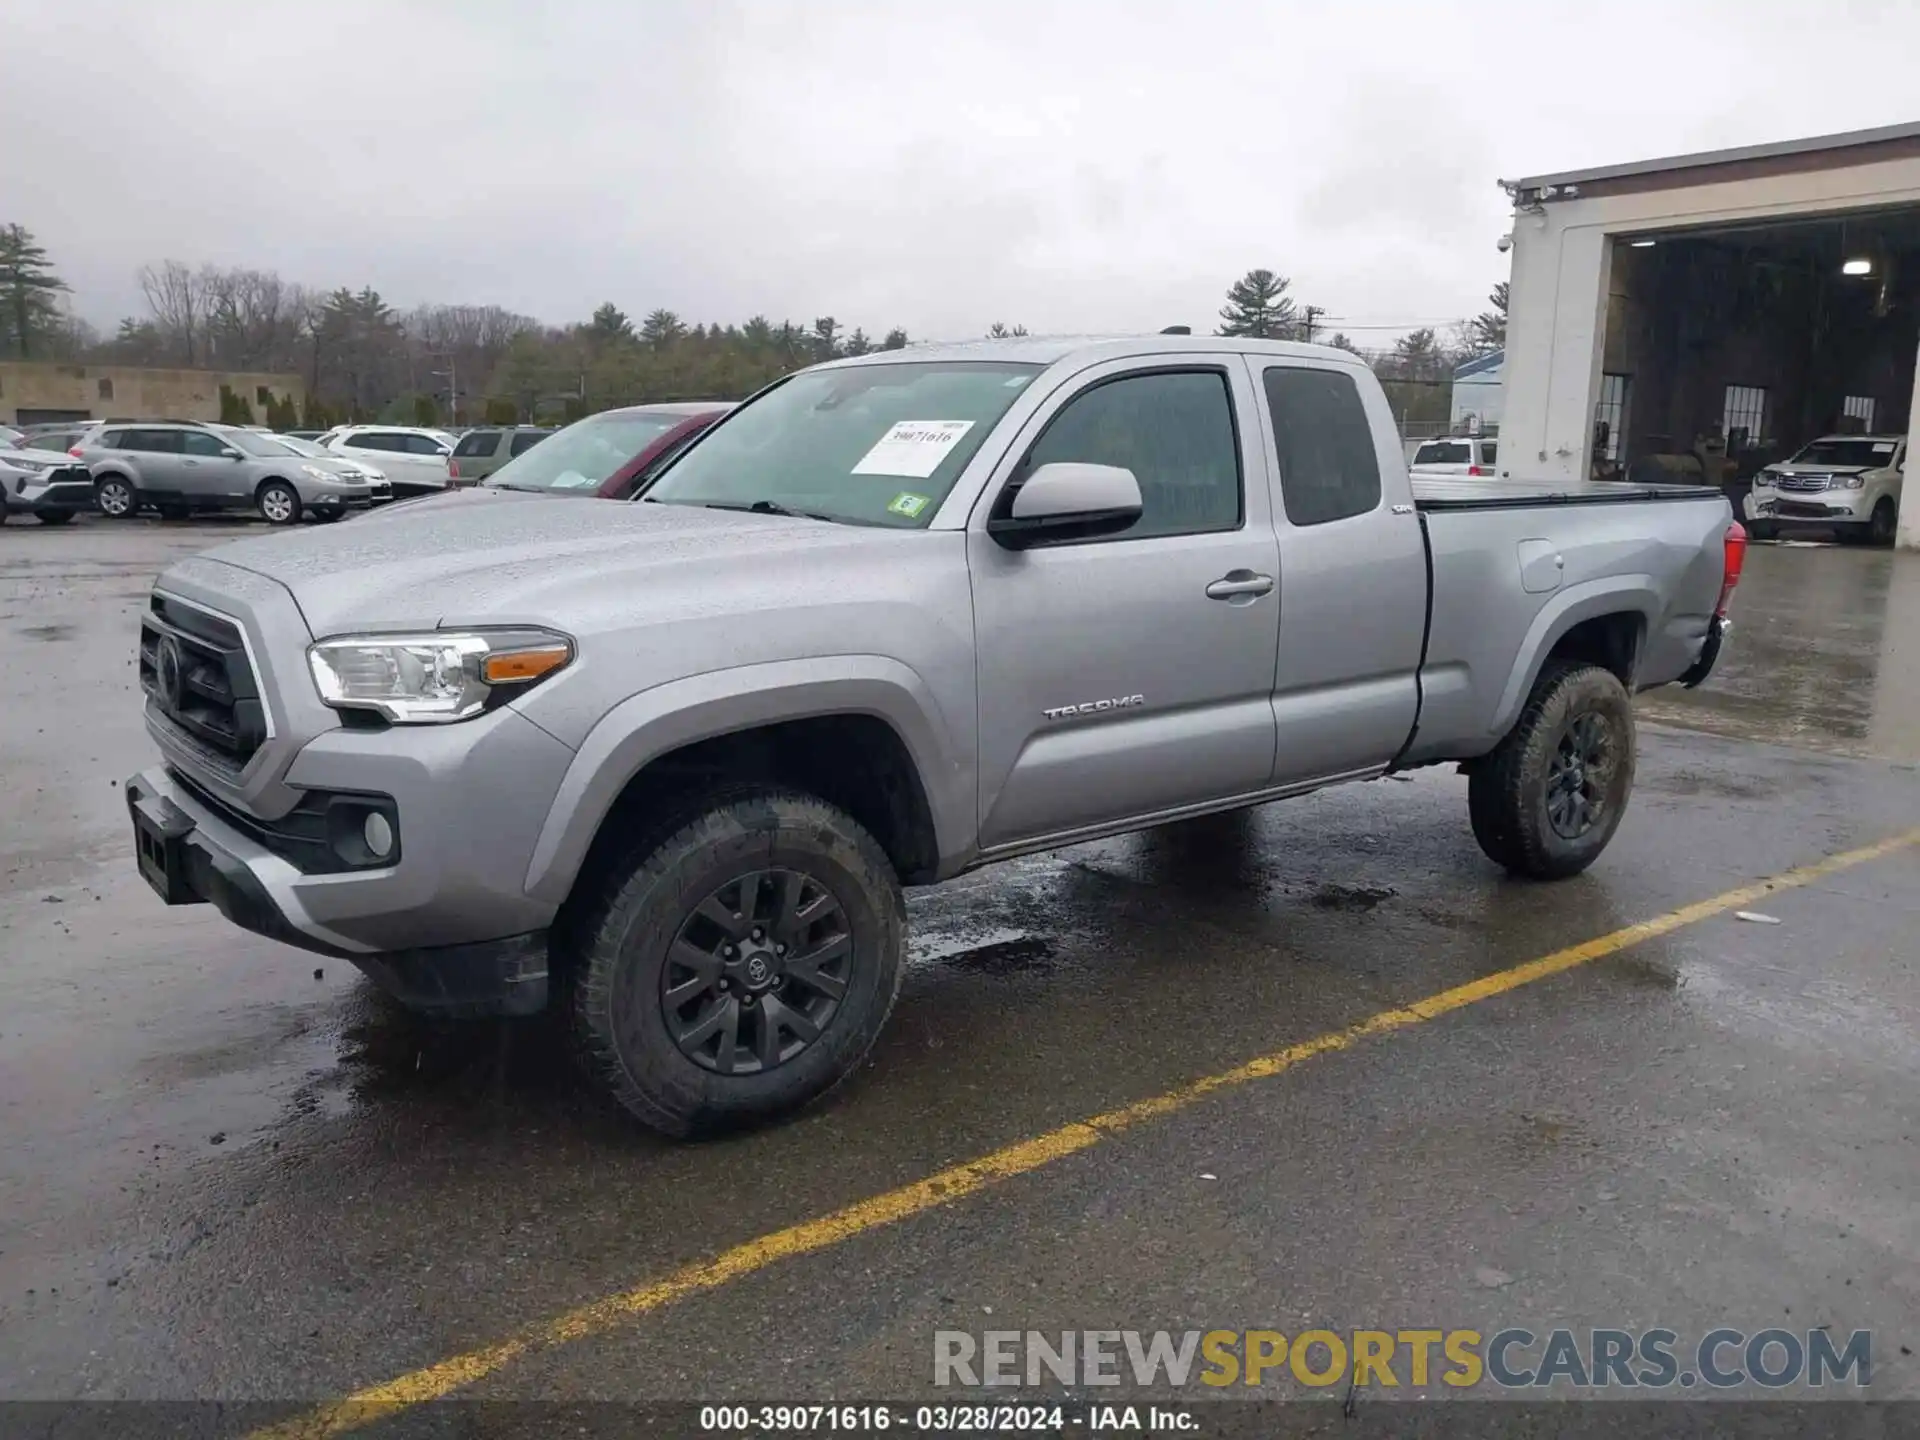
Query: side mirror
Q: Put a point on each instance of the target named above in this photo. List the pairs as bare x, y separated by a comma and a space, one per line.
227, 452
1068, 500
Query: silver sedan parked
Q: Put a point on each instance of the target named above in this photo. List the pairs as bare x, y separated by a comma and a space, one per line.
178, 469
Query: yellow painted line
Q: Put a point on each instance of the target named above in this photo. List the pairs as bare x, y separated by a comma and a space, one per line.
436, 1381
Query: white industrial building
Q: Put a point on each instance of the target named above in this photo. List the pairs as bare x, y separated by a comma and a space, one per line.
1726, 306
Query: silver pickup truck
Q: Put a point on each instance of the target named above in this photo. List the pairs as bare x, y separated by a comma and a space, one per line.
896, 617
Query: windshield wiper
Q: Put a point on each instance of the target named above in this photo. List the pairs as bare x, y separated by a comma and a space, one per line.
765, 507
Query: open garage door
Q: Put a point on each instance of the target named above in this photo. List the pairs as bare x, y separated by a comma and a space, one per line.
1734, 347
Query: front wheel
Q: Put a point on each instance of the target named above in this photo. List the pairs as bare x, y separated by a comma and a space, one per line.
1885, 520
279, 503
738, 963
116, 498
1547, 800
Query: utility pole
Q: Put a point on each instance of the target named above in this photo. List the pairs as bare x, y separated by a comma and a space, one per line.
1312, 313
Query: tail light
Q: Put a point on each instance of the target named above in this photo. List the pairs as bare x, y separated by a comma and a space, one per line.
1735, 561
453, 469
75, 452
1475, 470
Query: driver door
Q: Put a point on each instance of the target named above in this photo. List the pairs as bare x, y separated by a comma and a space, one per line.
1131, 674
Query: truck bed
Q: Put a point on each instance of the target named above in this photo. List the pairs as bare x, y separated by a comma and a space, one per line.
1487, 493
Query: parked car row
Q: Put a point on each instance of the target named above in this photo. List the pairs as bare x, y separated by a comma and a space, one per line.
181, 468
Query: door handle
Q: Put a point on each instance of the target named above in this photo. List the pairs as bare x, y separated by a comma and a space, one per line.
1236, 583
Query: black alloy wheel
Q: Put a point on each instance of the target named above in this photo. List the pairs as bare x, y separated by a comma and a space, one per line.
1580, 775
756, 972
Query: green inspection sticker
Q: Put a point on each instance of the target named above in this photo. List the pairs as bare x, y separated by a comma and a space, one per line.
907, 503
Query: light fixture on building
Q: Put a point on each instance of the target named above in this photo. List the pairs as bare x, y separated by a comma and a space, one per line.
1859, 266
1643, 244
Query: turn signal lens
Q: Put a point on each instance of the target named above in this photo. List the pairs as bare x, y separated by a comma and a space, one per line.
517, 666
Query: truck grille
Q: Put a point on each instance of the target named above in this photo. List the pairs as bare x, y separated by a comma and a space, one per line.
1803, 484
194, 667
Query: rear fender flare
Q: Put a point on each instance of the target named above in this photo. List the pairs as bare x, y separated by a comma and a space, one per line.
1609, 595
701, 707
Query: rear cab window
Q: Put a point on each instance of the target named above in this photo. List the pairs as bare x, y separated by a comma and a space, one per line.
1329, 469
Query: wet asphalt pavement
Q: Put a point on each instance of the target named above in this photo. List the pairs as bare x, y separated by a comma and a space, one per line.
230, 1169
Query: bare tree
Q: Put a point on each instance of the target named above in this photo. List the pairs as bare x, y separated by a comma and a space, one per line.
175, 297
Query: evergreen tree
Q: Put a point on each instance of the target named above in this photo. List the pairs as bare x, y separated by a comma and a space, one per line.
1259, 307
29, 309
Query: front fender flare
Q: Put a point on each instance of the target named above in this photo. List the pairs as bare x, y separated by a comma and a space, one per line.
700, 707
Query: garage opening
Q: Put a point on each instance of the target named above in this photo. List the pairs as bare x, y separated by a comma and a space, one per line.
1730, 348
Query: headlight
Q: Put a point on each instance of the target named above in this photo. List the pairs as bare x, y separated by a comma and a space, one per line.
373, 474
1848, 482
433, 679
314, 472
1766, 478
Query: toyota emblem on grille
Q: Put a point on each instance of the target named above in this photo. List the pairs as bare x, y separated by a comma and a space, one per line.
171, 673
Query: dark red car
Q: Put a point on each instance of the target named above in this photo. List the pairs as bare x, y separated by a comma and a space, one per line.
611, 454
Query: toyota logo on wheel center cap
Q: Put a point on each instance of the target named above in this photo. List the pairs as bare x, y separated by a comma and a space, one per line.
758, 971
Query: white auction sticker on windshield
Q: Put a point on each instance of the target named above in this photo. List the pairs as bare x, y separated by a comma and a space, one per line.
913, 448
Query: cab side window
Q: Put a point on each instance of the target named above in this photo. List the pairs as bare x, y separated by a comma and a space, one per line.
1329, 469
1174, 430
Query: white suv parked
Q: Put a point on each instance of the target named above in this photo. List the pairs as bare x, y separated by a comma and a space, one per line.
1848, 482
1454, 455
413, 458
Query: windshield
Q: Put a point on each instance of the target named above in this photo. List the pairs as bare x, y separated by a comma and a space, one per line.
252, 442
869, 444
1866, 454
584, 454
299, 447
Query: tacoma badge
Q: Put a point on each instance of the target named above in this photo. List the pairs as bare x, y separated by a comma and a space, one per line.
1094, 707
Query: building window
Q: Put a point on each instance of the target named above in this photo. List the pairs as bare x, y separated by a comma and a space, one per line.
262, 395
1609, 417
105, 387
1857, 409
1744, 420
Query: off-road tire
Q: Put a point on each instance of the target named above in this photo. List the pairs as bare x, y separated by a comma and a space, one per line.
1507, 790
633, 908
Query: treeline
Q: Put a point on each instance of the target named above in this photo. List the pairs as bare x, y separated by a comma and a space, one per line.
362, 359
359, 358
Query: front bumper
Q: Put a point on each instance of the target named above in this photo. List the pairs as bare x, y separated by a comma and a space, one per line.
1827, 507
66, 495
190, 856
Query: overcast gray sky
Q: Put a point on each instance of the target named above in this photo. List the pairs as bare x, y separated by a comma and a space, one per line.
1068, 166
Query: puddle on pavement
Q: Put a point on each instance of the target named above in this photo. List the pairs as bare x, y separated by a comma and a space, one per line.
48, 633
1011, 953
1824, 654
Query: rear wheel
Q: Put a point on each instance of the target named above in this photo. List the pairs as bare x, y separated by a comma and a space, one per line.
738, 963
279, 503
116, 498
1545, 803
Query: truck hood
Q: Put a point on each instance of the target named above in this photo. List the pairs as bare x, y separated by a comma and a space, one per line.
495, 557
